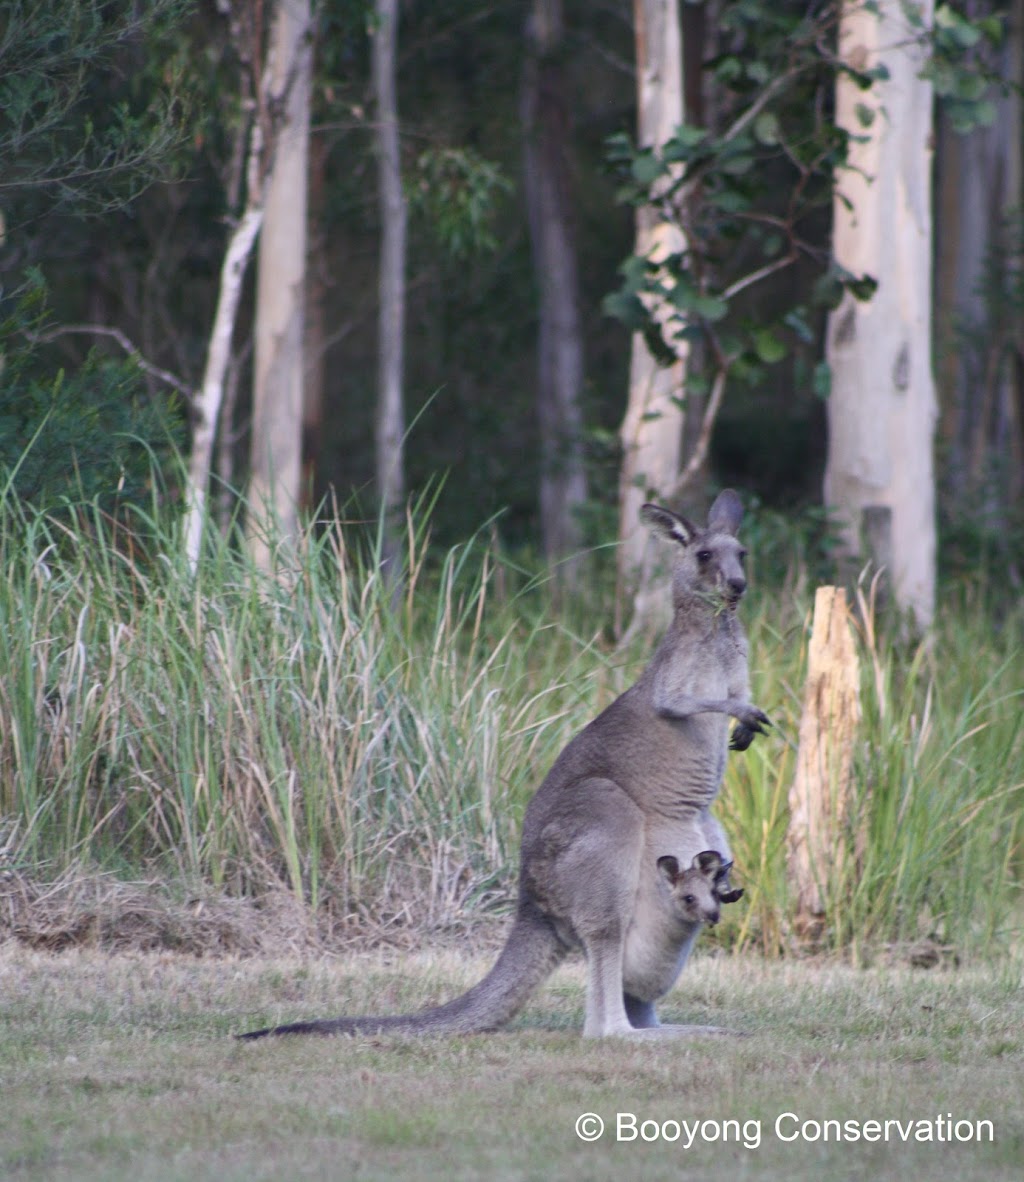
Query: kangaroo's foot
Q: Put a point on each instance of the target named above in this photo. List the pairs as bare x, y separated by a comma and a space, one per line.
641, 1014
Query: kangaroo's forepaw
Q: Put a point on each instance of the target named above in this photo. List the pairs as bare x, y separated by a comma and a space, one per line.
749, 723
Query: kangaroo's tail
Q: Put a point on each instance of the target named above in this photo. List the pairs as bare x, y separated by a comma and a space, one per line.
531, 953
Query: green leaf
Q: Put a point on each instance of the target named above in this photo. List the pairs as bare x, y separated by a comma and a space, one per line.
647, 168
684, 295
634, 272
822, 380
992, 28
618, 148
710, 308
862, 288
865, 114
912, 15
766, 128
796, 319
624, 306
684, 143
729, 201
768, 346
985, 114
827, 291
962, 31
729, 69
738, 165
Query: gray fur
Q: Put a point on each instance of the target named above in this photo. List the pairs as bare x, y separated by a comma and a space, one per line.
634, 786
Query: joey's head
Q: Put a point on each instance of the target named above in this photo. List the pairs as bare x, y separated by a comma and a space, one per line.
694, 890
709, 562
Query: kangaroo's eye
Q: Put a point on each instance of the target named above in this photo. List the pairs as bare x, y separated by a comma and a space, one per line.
703, 556
689, 900
743, 555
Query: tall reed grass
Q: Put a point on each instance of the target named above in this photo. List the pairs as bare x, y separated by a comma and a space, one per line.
934, 829
369, 743
370, 752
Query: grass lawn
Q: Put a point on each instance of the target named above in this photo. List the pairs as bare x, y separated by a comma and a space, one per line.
122, 1067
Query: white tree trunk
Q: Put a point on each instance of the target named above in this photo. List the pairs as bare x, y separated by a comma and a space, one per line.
207, 406
563, 483
390, 431
881, 412
276, 451
651, 433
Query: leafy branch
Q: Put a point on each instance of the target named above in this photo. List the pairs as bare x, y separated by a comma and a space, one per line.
751, 196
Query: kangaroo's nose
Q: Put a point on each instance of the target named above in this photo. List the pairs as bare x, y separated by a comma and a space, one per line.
737, 586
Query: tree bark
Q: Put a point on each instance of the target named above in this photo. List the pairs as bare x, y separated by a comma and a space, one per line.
651, 433
276, 449
980, 179
881, 411
207, 406
390, 425
545, 123
315, 342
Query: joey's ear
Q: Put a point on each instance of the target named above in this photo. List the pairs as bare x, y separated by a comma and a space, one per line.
726, 513
722, 871
669, 867
708, 862
670, 525
732, 896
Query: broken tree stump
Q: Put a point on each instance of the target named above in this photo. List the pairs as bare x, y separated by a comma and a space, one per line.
817, 846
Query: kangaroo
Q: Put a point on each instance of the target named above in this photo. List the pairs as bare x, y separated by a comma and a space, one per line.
654, 953
635, 786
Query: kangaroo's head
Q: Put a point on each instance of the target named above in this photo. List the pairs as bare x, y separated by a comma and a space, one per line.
709, 562
694, 890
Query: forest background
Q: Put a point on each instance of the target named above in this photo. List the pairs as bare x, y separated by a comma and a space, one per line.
297, 716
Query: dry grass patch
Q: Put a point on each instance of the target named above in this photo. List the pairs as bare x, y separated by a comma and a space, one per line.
122, 1066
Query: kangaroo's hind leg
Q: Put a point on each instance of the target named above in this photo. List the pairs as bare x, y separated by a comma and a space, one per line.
590, 878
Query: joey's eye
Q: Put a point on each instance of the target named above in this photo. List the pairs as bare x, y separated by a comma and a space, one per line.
689, 900
703, 556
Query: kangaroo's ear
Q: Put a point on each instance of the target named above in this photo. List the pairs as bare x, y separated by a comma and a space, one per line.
732, 896
726, 513
722, 871
708, 862
669, 867
670, 525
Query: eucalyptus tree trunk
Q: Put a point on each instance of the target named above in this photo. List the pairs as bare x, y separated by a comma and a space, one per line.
276, 448
981, 391
545, 123
219, 374
390, 426
879, 474
206, 408
315, 338
651, 433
